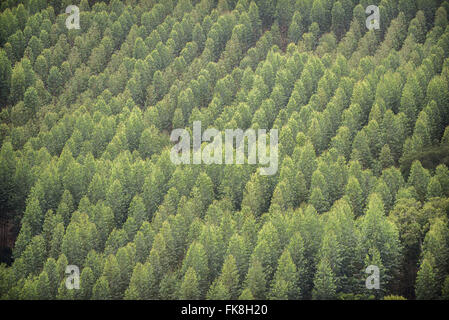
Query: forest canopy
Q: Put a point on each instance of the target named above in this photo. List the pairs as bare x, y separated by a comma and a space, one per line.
86, 177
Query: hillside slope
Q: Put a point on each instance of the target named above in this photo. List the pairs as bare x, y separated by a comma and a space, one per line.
363, 121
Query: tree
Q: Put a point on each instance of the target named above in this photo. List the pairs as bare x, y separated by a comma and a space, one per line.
297, 254
385, 157
268, 249
34, 215
169, 286
153, 190
406, 214
239, 250
441, 18
66, 206
101, 289
134, 128
203, 191
18, 42
254, 17
409, 101
51, 269
138, 211
284, 285
284, 12
50, 222
31, 100
318, 200
103, 217
218, 291
355, 195
18, 84
56, 240
81, 236
54, 81
256, 194
189, 288
426, 282
151, 141
382, 189
116, 200
418, 27
196, 259
319, 14
35, 44
29, 290
140, 50
338, 19
296, 28
436, 244
34, 256
198, 36
419, 179
111, 273
434, 188
307, 162
139, 287
361, 151
126, 260
442, 173
43, 287
255, 280
287, 142
211, 240
87, 282
229, 276
342, 141
380, 234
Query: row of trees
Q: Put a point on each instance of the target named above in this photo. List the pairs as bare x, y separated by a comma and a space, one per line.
363, 179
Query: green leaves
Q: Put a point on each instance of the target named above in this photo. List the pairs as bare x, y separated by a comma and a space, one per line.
85, 170
324, 282
190, 287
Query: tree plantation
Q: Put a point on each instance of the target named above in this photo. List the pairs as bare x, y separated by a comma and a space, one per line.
87, 180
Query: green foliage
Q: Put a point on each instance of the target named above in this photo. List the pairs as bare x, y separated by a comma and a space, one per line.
284, 285
86, 176
255, 281
426, 283
189, 287
324, 282
429, 158
5, 77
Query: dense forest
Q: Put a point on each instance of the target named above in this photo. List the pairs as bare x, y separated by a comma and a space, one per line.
86, 177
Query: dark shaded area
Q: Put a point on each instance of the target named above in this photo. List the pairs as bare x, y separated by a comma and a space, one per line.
6, 256
8, 234
430, 158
